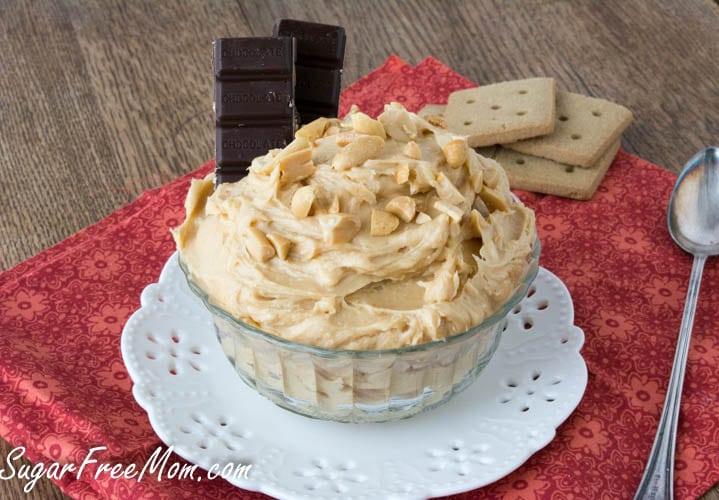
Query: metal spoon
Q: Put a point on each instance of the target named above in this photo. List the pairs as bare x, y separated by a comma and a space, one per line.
693, 220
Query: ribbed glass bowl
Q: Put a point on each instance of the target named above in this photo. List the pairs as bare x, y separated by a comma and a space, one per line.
361, 386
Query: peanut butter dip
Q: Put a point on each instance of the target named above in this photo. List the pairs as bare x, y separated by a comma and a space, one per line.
360, 234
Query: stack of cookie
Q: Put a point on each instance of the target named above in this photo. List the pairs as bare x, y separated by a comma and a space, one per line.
548, 141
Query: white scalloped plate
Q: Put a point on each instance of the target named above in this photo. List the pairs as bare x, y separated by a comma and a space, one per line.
197, 404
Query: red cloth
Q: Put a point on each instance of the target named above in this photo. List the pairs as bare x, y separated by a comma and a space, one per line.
64, 388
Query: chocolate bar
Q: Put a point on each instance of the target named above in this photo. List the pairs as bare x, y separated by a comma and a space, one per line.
254, 101
320, 57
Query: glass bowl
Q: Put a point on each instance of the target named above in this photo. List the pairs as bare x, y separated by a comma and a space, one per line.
361, 385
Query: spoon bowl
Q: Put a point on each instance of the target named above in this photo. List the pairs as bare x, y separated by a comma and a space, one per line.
693, 222
693, 214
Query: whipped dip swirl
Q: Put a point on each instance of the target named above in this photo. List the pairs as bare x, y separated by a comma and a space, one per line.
360, 234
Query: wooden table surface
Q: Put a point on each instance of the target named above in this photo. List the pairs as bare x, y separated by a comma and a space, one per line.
101, 100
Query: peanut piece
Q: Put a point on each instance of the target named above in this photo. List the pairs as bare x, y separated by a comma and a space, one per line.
282, 245
437, 121
314, 130
358, 151
402, 174
403, 207
411, 150
294, 162
363, 124
339, 228
422, 218
455, 152
298, 144
258, 246
293, 171
302, 201
423, 178
382, 223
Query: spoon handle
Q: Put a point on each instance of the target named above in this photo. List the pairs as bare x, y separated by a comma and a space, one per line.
658, 481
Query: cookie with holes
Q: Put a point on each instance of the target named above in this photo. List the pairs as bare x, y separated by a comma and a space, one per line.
585, 128
503, 112
540, 175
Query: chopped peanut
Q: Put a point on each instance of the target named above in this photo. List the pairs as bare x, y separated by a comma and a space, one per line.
423, 178
455, 152
363, 124
411, 150
258, 246
402, 174
293, 172
358, 151
299, 145
302, 201
403, 207
314, 130
436, 120
282, 245
422, 218
339, 228
382, 223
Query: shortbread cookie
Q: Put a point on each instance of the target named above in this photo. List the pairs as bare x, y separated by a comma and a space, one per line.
503, 112
540, 175
584, 130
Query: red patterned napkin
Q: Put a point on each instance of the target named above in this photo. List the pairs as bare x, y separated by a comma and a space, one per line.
64, 388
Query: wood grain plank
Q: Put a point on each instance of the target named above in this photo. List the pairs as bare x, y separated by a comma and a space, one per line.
50, 134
